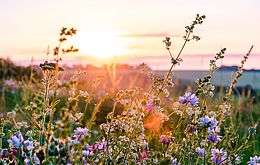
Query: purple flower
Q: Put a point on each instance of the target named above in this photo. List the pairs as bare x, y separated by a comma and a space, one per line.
164, 139
212, 130
213, 122
88, 152
218, 156
9, 84
174, 161
208, 122
200, 151
80, 133
16, 140
149, 107
15, 152
189, 98
28, 145
214, 138
101, 145
204, 121
191, 128
254, 160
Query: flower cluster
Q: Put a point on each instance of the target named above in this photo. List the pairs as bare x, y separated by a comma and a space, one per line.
218, 156
189, 98
16, 140
200, 151
212, 126
80, 134
254, 160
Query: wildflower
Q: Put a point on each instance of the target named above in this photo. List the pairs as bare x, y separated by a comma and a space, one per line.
155, 161
218, 156
9, 84
204, 121
88, 150
212, 130
149, 107
6, 154
214, 138
35, 159
143, 155
167, 42
208, 122
174, 161
254, 160
191, 128
164, 139
190, 111
85, 153
189, 98
16, 140
15, 152
28, 145
200, 151
100, 145
237, 160
144, 144
80, 133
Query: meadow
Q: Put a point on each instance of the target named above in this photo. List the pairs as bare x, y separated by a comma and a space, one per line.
120, 114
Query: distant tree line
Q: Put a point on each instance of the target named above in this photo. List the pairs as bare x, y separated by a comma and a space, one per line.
9, 70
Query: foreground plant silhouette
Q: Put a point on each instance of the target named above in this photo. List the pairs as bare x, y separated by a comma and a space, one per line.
149, 130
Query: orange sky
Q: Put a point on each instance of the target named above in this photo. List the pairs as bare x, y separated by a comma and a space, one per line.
29, 26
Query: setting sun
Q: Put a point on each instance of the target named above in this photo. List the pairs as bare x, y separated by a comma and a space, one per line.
102, 45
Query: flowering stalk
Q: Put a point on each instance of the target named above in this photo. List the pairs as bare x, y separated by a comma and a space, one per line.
177, 60
108, 134
239, 72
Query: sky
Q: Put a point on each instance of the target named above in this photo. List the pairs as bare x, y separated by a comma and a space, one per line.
131, 31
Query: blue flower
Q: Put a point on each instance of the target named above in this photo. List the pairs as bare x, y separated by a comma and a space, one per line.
189, 98
80, 134
200, 151
218, 156
204, 121
254, 160
208, 122
174, 161
28, 145
212, 130
214, 138
16, 140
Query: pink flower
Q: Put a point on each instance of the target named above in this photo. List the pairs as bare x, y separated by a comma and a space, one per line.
143, 155
164, 139
15, 152
6, 154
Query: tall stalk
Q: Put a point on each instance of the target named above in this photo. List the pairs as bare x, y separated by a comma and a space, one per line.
45, 102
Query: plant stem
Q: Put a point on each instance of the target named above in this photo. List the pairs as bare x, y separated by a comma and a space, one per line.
108, 134
170, 70
44, 110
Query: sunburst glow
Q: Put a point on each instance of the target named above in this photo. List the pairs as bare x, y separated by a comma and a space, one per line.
102, 45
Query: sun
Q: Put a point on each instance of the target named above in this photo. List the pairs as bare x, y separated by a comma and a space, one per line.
102, 45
